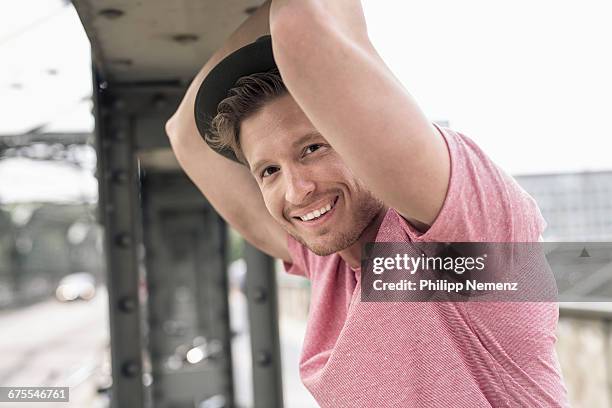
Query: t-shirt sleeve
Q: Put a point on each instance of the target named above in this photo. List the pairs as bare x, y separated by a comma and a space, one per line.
299, 258
482, 204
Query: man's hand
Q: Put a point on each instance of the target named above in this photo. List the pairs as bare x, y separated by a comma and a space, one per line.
336, 76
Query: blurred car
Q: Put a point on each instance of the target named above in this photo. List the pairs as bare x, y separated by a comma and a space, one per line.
81, 285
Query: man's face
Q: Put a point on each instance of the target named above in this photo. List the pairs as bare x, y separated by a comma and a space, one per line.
300, 176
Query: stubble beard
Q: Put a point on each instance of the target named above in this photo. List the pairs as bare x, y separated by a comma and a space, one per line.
368, 208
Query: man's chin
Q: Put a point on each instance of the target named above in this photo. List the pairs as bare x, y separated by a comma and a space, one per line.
330, 246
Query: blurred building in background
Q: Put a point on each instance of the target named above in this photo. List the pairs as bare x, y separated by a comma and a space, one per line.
576, 206
47, 214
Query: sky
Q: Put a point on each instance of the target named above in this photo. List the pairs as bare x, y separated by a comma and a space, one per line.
528, 80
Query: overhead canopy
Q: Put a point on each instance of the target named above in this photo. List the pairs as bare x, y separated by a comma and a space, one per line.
158, 40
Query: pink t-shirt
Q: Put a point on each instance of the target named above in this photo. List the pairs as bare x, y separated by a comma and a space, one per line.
445, 354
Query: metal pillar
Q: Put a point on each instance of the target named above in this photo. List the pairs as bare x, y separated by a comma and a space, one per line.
187, 294
263, 318
118, 204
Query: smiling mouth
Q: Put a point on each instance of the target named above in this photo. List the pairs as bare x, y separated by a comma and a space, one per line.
316, 215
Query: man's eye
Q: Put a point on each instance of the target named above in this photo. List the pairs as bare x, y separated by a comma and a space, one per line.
268, 171
312, 148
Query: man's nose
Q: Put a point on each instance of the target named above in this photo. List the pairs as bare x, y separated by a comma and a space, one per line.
299, 186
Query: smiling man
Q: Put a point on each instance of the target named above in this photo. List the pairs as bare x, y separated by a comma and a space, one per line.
313, 149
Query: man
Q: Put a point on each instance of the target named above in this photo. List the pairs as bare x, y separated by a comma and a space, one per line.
328, 152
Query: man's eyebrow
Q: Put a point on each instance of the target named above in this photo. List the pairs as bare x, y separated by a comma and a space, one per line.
302, 140
306, 137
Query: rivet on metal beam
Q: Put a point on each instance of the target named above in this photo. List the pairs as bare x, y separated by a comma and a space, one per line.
263, 358
130, 369
185, 39
123, 240
111, 14
127, 304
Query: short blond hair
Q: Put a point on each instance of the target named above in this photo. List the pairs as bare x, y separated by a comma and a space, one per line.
249, 95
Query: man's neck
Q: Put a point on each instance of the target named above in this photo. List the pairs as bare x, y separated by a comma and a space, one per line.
352, 254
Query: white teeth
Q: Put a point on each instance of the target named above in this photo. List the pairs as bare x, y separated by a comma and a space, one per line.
316, 213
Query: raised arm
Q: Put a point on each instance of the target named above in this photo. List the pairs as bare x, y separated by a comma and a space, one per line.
336, 76
227, 185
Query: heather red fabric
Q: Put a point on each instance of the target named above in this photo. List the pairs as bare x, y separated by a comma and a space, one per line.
360, 354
